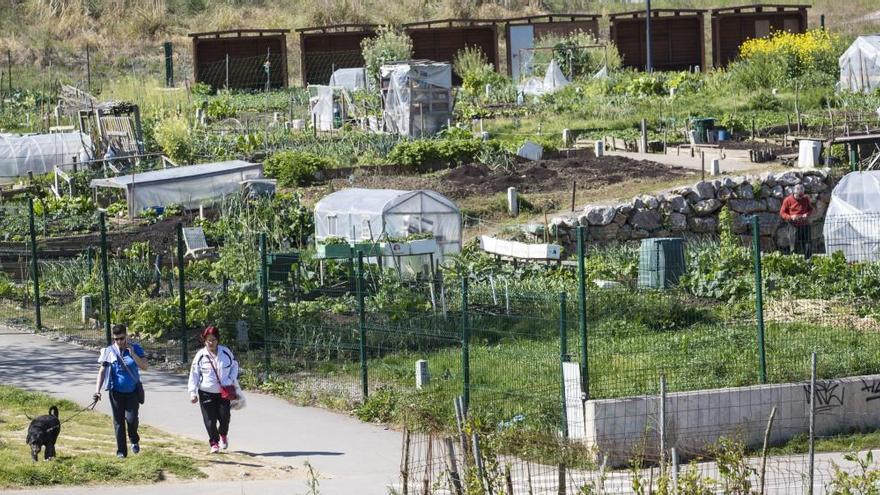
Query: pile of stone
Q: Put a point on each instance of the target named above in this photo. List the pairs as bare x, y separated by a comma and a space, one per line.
690, 210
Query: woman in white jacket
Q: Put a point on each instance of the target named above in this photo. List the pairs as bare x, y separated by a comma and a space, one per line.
213, 367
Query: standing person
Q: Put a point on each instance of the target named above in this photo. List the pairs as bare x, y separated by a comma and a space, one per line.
797, 209
214, 369
119, 374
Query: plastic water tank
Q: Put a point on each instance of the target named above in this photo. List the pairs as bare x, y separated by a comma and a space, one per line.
661, 262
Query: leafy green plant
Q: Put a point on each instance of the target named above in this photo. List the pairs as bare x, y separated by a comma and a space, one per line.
387, 46
174, 136
379, 407
294, 168
865, 481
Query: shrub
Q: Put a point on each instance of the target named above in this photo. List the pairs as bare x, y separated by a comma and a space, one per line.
388, 45
788, 59
471, 64
425, 151
295, 168
174, 136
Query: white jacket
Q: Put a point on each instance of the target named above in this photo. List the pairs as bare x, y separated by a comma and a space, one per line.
201, 373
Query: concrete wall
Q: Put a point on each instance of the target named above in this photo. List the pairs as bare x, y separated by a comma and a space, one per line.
694, 210
620, 428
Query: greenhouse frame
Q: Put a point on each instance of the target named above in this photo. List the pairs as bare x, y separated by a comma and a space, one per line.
852, 222
375, 214
189, 186
40, 153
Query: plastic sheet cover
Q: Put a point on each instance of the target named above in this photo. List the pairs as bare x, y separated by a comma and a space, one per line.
39, 153
351, 79
190, 186
860, 65
553, 81
852, 222
399, 97
375, 214
322, 108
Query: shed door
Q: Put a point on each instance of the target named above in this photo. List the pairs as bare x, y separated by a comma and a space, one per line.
762, 28
521, 38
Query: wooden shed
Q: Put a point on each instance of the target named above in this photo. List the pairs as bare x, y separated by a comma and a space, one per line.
522, 32
731, 26
236, 58
677, 40
441, 40
325, 49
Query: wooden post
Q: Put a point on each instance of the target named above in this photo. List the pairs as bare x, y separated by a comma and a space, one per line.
573, 192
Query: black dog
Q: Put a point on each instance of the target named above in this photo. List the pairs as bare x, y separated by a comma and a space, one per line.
44, 431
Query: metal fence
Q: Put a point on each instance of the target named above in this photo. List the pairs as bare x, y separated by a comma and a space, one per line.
542, 375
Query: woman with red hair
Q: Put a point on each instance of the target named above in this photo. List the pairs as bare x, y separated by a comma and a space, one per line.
212, 383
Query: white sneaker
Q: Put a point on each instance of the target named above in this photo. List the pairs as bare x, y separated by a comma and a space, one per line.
224, 442
215, 448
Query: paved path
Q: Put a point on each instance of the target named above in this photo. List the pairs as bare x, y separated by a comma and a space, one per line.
350, 456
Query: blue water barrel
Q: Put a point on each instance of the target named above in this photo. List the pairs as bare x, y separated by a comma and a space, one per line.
723, 135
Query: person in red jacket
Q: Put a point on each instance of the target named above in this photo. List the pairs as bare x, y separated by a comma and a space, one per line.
797, 209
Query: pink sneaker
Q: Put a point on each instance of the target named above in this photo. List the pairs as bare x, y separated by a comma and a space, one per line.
224, 442
214, 448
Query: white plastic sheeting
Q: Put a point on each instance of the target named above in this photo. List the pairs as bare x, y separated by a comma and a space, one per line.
399, 98
852, 222
351, 79
373, 214
322, 108
39, 153
860, 65
190, 186
553, 81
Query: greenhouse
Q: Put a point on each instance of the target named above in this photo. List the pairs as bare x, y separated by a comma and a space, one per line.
852, 223
191, 186
39, 153
376, 214
860, 65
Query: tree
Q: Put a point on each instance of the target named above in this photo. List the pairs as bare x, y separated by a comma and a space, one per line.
388, 45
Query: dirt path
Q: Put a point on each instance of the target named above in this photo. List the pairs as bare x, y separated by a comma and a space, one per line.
350, 456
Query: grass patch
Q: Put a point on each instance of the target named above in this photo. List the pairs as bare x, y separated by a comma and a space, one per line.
857, 440
86, 448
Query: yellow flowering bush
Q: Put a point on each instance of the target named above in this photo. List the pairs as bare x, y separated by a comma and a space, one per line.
784, 57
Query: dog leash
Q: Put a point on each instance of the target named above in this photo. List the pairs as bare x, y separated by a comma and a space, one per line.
87, 408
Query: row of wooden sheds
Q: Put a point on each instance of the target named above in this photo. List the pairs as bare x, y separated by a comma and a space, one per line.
677, 35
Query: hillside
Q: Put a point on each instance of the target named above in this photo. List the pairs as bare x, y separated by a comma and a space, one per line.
49, 37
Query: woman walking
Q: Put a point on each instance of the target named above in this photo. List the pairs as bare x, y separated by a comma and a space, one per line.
212, 380
121, 363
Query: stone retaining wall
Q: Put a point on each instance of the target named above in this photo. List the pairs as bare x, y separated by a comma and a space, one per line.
694, 210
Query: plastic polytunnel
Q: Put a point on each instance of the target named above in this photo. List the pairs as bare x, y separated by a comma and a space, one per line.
351, 79
852, 222
190, 186
553, 81
40, 153
360, 215
860, 65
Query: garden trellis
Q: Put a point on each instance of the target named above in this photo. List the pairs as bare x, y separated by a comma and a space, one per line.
374, 214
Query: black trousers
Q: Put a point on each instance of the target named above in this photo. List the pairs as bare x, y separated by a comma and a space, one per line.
803, 240
125, 414
215, 410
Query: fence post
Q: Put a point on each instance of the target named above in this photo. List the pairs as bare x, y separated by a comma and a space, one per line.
563, 358
582, 314
759, 296
181, 289
362, 341
90, 262
105, 277
35, 265
812, 452
264, 292
169, 64
465, 345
